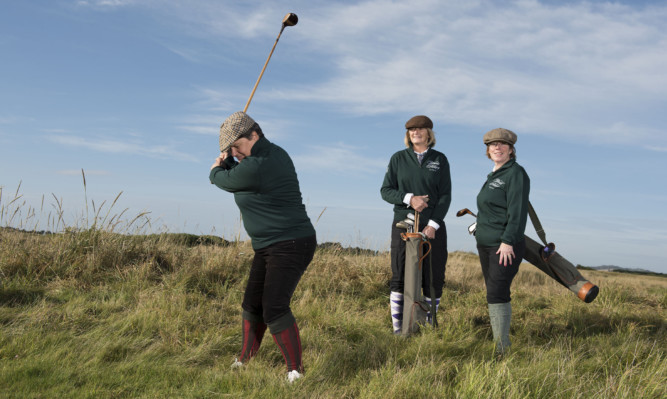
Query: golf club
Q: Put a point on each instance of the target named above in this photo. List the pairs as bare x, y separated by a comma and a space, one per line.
465, 211
289, 20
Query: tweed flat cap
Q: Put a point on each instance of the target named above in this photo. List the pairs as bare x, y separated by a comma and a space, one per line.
500, 134
236, 125
419, 121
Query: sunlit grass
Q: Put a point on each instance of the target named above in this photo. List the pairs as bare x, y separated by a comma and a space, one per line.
102, 308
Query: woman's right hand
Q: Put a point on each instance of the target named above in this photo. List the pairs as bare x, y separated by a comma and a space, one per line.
419, 202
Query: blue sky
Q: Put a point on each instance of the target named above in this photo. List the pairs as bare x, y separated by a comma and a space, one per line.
134, 92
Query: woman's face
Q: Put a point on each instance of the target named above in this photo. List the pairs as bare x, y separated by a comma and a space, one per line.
418, 136
499, 152
241, 147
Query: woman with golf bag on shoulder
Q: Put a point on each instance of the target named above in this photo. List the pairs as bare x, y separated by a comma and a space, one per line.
418, 179
266, 190
502, 206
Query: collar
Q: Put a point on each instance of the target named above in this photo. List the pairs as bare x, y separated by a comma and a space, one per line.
259, 146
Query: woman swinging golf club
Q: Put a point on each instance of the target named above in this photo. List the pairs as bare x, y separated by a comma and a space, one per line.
266, 190
418, 179
502, 211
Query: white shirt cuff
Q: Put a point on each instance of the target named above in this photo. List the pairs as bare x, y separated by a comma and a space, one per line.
407, 198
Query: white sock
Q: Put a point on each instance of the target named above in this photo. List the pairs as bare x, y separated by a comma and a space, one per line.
396, 302
437, 305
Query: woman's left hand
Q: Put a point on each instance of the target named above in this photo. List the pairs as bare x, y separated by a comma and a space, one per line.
429, 232
506, 253
219, 160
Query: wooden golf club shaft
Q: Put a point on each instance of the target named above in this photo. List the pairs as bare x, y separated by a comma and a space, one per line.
289, 20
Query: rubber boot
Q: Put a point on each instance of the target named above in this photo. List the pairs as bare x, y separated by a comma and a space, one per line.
501, 316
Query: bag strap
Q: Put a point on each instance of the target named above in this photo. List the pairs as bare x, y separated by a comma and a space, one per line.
536, 223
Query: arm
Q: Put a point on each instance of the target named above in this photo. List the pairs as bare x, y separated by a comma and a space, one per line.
444, 190
517, 208
233, 176
389, 189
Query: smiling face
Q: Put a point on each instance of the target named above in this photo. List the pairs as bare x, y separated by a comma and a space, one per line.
419, 137
242, 146
499, 152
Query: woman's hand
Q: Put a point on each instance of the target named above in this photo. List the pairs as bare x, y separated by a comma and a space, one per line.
429, 232
419, 202
219, 160
506, 253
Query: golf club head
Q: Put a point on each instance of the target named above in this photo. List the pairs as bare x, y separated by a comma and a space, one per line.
290, 19
464, 211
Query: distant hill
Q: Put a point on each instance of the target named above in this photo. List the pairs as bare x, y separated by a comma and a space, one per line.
613, 268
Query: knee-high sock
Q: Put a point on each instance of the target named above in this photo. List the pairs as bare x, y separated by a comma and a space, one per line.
396, 306
289, 342
437, 305
253, 332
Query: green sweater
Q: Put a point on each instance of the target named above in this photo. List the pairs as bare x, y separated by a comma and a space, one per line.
405, 175
502, 206
266, 190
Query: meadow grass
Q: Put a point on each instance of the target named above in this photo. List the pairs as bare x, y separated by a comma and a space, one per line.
94, 312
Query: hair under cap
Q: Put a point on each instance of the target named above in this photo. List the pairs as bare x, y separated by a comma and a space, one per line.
419, 121
500, 134
235, 126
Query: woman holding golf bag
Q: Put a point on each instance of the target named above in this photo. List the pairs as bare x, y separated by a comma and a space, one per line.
418, 179
502, 206
266, 190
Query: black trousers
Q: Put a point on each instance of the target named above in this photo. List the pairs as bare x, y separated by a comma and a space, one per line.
274, 275
498, 278
438, 255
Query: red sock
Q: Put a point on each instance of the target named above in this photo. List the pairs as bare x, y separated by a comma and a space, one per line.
289, 343
253, 332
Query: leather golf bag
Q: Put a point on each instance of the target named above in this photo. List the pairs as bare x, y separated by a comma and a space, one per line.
560, 269
414, 305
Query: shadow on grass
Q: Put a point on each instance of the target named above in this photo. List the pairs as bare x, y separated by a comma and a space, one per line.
19, 297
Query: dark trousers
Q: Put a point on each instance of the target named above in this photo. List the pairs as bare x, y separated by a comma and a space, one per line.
498, 278
274, 275
438, 256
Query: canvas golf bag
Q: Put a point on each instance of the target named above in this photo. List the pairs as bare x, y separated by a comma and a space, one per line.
415, 306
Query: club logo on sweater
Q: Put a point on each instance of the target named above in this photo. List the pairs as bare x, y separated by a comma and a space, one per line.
496, 183
433, 166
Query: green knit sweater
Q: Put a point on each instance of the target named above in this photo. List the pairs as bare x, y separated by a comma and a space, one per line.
502, 206
405, 175
266, 190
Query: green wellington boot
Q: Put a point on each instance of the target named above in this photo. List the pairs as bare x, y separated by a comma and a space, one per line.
501, 316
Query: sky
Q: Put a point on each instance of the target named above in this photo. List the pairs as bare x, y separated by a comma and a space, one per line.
133, 93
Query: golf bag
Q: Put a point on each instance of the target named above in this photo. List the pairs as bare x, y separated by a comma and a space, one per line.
415, 307
545, 258
550, 262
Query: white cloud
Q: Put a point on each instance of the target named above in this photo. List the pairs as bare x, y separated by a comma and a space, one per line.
579, 70
339, 158
113, 146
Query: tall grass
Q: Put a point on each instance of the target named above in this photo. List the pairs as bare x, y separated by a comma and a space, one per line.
101, 310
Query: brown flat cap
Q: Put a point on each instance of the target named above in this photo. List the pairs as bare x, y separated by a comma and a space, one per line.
236, 125
500, 134
419, 121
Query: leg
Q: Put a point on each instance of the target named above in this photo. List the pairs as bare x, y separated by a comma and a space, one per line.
498, 279
253, 325
397, 281
437, 259
253, 332
286, 262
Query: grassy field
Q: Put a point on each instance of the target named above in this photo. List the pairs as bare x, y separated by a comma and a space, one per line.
90, 313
